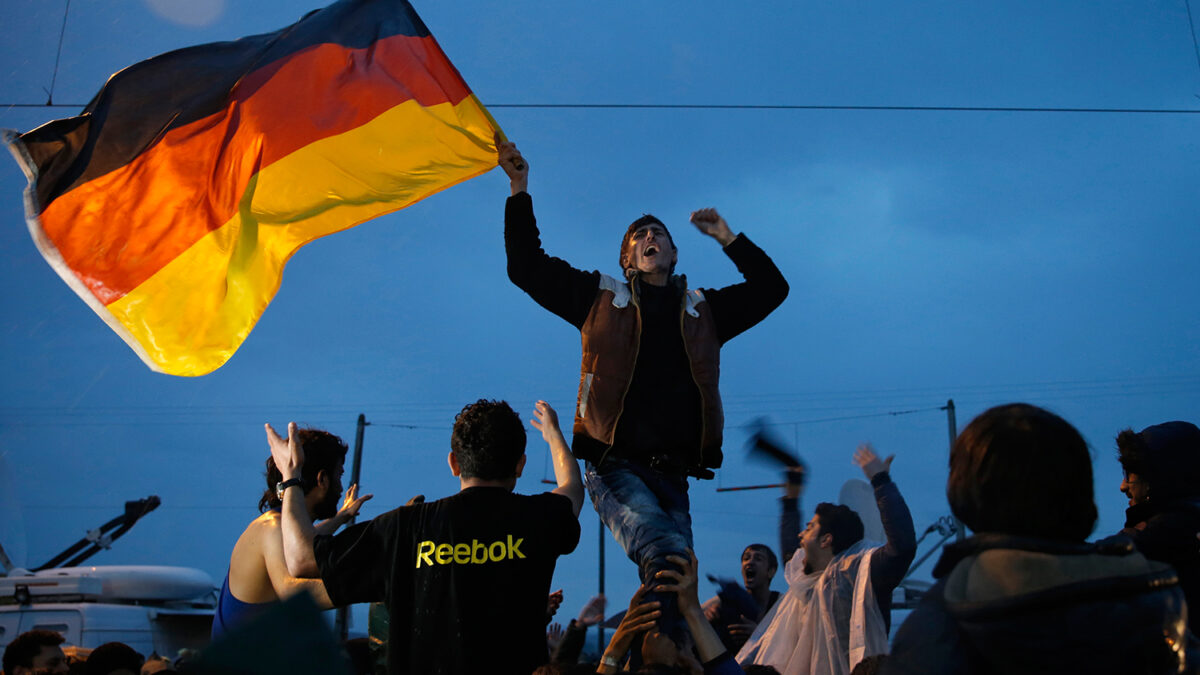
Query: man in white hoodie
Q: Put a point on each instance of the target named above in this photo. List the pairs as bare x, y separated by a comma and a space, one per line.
838, 604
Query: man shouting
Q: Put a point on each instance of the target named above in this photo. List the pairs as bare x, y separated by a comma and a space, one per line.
649, 411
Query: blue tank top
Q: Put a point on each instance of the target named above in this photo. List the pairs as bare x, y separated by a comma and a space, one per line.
232, 612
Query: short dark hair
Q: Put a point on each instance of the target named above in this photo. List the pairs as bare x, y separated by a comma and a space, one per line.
771, 559
840, 521
112, 656
488, 440
25, 647
645, 220
322, 452
1021, 470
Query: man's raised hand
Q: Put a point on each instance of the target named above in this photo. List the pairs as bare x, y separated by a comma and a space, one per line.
513, 163
287, 453
593, 612
870, 463
711, 223
553, 602
545, 420
351, 504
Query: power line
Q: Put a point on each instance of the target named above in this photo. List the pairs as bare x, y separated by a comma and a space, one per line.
410, 426
1186, 380
848, 402
58, 56
768, 106
832, 107
894, 413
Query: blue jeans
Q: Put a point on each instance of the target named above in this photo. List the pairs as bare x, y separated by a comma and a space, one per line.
646, 511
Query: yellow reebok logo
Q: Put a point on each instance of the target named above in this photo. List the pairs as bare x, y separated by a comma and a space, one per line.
475, 553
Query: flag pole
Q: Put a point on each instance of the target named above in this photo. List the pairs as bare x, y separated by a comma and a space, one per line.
342, 623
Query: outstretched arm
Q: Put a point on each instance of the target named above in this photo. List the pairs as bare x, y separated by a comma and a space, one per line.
296, 527
566, 468
891, 562
551, 282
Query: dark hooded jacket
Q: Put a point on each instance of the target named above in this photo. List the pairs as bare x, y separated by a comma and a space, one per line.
1007, 604
1165, 527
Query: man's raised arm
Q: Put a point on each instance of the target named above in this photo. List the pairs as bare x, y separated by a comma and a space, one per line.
740, 306
789, 512
297, 528
566, 467
892, 560
551, 282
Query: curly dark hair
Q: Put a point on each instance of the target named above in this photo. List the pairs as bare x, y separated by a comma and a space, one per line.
1018, 469
842, 522
1131, 452
488, 440
322, 452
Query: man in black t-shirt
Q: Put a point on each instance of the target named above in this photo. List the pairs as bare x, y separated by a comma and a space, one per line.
464, 578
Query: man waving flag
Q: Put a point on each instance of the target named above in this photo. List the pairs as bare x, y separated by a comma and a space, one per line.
173, 201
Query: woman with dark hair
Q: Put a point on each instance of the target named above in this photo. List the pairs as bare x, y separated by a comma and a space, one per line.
1026, 593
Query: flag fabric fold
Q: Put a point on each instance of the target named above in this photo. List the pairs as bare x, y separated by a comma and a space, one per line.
173, 201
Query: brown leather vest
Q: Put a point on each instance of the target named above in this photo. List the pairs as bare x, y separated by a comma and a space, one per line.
611, 337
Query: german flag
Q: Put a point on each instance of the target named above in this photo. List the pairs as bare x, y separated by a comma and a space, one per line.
173, 201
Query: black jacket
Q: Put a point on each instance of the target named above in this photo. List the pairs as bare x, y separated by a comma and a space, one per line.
1167, 532
1014, 605
1165, 527
662, 404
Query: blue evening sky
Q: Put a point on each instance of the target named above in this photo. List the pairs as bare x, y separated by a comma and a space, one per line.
981, 256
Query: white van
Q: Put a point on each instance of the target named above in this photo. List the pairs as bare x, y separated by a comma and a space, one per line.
154, 609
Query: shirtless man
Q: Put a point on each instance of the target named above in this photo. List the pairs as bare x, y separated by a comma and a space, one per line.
258, 576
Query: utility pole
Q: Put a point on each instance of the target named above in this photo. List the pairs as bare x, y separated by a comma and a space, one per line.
600, 626
342, 622
952, 421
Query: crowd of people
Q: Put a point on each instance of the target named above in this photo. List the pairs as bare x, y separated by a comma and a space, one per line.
464, 582
41, 651
466, 579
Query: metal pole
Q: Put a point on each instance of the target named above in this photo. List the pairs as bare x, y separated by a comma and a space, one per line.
357, 461
952, 422
342, 622
600, 634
